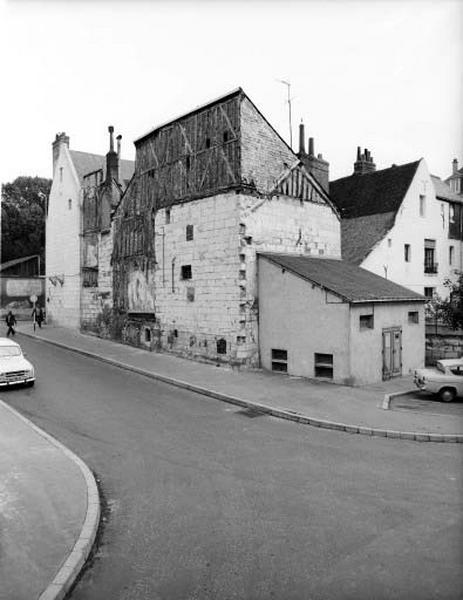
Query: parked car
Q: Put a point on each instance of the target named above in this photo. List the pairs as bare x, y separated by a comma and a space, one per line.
14, 368
445, 379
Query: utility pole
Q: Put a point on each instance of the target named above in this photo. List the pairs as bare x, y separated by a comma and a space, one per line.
288, 85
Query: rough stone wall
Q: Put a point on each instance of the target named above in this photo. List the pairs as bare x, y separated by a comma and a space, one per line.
194, 314
264, 155
96, 302
443, 343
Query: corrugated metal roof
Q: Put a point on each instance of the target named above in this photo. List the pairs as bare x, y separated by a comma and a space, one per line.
352, 283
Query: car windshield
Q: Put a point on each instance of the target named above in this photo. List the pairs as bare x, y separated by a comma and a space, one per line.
440, 367
9, 351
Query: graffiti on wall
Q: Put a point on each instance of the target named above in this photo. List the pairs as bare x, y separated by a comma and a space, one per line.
140, 294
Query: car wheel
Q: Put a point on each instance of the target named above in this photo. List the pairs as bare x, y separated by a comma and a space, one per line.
30, 384
447, 394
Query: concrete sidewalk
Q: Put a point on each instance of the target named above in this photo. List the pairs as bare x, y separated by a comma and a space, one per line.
310, 402
50, 511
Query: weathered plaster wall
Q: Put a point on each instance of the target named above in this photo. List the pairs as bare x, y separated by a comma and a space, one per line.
63, 244
303, 320
366, 345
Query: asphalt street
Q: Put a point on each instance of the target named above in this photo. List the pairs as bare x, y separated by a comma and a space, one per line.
205, 501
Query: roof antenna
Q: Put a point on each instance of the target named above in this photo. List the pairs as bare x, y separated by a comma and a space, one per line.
288, 85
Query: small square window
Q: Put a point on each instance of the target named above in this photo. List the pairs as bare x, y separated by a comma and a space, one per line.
189, 233
186, 271
366, 322
429, 292
407, 253
413, 317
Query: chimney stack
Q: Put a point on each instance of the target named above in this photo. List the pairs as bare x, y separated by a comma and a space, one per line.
301, 138
60, 139
112, 159
454, 166
311, 147
364, 163
119, 137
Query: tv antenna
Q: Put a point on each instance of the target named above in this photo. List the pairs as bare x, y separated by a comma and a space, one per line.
288, 85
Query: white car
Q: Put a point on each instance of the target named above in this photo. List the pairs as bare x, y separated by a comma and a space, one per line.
14, 368
445, 379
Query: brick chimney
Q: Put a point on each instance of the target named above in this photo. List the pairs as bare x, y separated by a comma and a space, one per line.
112, 159
60, 139
454, 166
315, 165
364, 163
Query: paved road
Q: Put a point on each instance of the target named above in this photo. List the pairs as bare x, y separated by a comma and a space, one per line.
205, 502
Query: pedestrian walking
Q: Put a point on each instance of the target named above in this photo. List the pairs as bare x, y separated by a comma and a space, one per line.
11, 322
37, 316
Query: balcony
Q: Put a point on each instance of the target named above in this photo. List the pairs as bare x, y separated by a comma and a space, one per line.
431, 268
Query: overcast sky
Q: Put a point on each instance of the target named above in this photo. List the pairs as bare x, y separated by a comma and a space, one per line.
382, 75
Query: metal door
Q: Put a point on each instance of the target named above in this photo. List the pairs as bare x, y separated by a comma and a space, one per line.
392, 352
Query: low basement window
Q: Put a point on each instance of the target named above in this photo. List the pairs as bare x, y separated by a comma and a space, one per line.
366, 322
279, 360
323, 365
413, 317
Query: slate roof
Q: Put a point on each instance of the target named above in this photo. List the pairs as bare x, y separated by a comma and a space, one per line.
373, 193
443, 191
368, 205
353, 284
85, 163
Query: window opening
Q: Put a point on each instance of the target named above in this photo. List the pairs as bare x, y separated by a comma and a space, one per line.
147, 335
407, 253
429, 292
413, 317
279, 360
323, 365
422, 205
221, 346
451, 253
167, 216
70, 204
429, 256
189, 233
366, 322
186, 271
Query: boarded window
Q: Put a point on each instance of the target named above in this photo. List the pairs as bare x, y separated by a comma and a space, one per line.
186, 271
221, 346
413, 317
89, 277
279, 360
189, 233
323, 364
366, 322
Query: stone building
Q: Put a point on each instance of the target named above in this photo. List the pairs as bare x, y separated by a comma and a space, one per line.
455, 181
211, 189
73, 172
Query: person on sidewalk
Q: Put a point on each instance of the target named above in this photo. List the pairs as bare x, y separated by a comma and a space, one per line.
37, 316
11, 322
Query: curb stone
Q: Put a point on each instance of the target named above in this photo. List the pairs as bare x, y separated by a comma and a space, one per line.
275, 412
72, 566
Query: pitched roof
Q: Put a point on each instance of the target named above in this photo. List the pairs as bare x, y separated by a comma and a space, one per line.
373, 193
360, 235
85, 163
353, 284
443, 191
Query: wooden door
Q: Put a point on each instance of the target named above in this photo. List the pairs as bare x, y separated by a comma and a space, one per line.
392, 352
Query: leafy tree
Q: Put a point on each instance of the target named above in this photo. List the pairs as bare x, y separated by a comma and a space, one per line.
24, 205
450, 310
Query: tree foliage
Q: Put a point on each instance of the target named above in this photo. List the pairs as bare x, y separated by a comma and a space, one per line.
24, 205
450, 311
